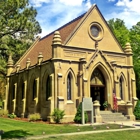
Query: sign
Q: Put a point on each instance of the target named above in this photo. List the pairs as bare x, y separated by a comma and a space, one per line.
87, 105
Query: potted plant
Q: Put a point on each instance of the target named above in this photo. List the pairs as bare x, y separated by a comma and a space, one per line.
105, 104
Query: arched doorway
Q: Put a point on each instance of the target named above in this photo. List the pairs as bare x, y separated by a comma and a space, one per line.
97, 87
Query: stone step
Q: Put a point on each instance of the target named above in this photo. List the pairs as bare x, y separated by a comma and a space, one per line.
109, 116
109, 112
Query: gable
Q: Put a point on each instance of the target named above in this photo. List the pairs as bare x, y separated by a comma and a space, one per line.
81, 36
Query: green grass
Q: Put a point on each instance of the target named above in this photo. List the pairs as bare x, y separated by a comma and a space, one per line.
123, 135
19, 129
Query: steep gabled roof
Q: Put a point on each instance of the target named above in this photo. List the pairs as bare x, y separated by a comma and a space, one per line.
44, 44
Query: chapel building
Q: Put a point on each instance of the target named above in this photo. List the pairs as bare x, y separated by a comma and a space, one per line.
80, 59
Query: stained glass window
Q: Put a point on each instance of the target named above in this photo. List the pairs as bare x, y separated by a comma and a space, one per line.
121, 87
69, 87
48, 88
94, 31
13, 94
34, 89
97, 78
22, 92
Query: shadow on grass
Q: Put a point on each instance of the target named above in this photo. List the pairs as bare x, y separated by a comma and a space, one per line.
16, 134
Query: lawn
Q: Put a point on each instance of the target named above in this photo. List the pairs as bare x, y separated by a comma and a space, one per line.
123, 135
18, 129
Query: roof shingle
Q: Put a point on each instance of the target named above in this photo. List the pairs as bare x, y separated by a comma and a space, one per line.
44, 44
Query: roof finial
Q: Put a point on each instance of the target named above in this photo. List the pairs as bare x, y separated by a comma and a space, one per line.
10, 61
40, 58
28, 63
57, 38
127, 48
9, 65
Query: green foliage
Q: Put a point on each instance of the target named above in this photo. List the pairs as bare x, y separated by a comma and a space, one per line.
2, 88
135, 44
120, 30
57, 115
11, 116
3, 112
105, 104
34, 117
124, 35
78, 116
137, 110
18, 28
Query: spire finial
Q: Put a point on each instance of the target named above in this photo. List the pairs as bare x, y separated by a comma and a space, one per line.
127, 48
40, 58
57, 38
28, 63
10, 61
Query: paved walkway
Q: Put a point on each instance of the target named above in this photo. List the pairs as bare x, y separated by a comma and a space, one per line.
136, 126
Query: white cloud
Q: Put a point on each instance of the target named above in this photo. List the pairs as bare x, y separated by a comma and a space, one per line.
128, 10
88, 4
71, 2
56, 13
129, 18
38, 3
131, 5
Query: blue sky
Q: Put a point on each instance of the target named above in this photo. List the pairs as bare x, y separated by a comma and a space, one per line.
52, 14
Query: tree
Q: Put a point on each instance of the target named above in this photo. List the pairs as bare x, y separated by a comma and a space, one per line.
120, 30
135, 44
124, 35
18, 28
137, 110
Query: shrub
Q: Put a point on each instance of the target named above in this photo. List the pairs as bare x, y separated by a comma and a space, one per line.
105, 104
78, 116
3, 112
57, 115
34, 117
11, 116
137, 110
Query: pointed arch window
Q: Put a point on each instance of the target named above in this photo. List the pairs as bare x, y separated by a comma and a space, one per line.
121, 87
34, 89
69, 82
23, 89
13, 93
97, 78
48, 88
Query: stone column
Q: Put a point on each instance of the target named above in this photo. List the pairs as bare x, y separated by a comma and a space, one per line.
97, 116
59, 84
37, 92
134, 98
56, 58
85, 87
14, 100
9, 70
24, 100
5, 101
117, 91
60, 98
60, 101
82, 61
129, 107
